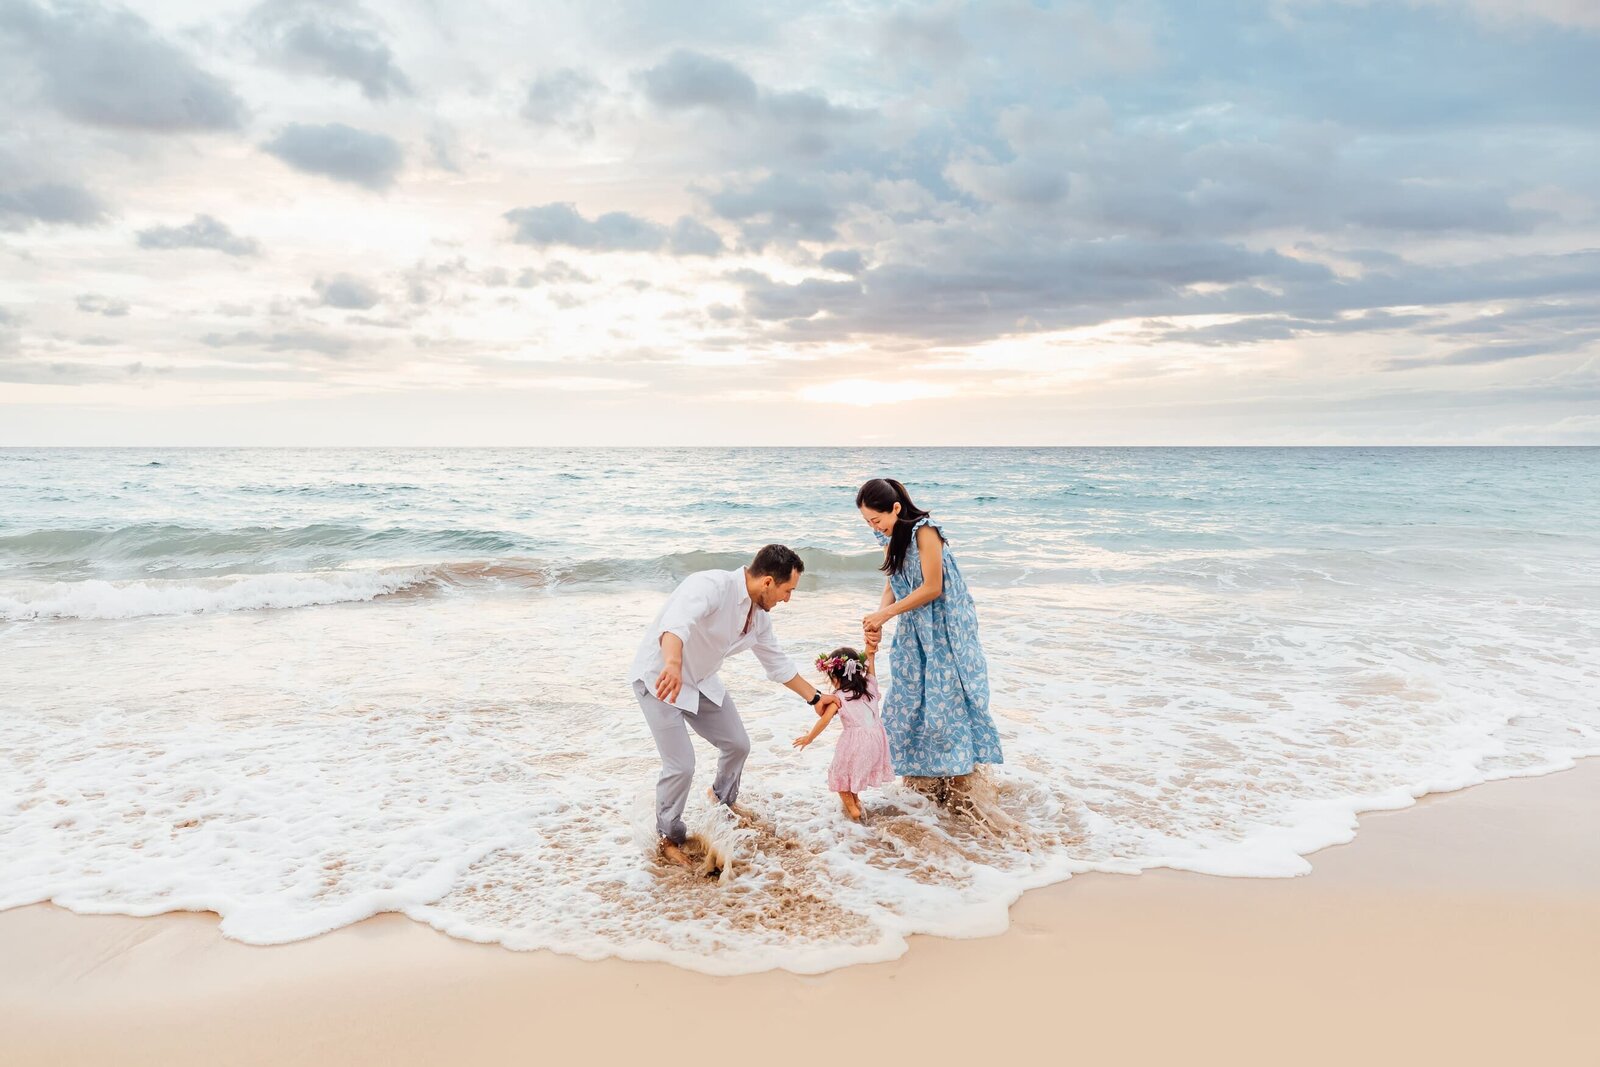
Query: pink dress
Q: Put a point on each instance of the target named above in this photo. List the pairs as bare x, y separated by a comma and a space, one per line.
861, 757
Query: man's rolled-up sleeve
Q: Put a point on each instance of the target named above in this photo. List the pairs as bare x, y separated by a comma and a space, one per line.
689, 603
776, 662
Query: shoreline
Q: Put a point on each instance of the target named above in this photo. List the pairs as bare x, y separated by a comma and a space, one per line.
1464, 928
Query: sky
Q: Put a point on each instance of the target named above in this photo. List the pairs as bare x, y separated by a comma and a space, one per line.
737, 222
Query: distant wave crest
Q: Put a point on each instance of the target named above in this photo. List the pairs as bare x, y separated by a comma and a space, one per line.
257, 585
96, 599
162, 541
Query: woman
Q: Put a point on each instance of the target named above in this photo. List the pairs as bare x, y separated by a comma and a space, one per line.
937, 710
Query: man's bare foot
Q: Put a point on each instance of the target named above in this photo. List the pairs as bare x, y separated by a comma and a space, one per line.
673, 854
743, 814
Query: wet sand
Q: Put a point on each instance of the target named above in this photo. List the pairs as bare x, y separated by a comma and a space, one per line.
1464, 930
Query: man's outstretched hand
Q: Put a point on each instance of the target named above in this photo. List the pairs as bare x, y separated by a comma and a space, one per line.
828, 702
670, 683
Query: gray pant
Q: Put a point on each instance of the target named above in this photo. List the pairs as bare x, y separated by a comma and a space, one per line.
719, 724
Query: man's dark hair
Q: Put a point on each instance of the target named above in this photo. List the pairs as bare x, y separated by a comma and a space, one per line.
776, 562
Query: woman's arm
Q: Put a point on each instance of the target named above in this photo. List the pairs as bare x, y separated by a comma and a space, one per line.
871, 632
931, 548
822, 724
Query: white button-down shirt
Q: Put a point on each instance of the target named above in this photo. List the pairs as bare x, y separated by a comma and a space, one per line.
714, 617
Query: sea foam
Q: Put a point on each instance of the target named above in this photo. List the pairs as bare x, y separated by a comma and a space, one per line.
476, 763
1208, 660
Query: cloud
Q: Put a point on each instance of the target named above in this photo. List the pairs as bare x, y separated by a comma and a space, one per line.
688, 79
807, 107
339, 152
845, 261
54, 372
1512, 330
202, 231
563, 99
298, 340
766, 299
985, 286
442, 147
1580, 14
1327, 189
1021, 182
556, 272
560, 224
1258, 328
106, 67
50, 203
1504, 351
338, 41
931, 37
455, 281
690, 237
347, 291
1221, 182
780, 207
1514, 321
799, 123
615, 231
102, 305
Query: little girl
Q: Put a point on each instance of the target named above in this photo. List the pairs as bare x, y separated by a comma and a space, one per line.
861, 758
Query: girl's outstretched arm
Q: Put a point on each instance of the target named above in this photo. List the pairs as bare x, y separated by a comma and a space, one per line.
822, 724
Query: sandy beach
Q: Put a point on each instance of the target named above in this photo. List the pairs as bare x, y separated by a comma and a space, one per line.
1463, 930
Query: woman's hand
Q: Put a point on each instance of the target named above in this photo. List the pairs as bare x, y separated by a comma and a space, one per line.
872, 625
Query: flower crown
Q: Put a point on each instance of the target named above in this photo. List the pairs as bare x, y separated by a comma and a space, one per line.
843, 666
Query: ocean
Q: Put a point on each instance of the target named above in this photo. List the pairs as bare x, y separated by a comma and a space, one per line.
301, 687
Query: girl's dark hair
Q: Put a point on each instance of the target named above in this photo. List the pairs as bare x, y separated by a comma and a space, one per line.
856, 685
882, 494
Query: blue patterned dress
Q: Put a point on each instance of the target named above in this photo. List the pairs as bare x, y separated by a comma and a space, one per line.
937, 710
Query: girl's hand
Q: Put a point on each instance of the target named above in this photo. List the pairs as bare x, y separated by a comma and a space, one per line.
802, 741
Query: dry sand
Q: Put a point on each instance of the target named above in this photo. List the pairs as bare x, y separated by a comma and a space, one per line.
1465, 930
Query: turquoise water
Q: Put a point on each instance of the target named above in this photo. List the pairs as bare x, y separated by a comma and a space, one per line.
225, 674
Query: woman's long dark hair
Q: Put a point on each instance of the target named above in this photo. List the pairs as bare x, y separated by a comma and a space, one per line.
882, 494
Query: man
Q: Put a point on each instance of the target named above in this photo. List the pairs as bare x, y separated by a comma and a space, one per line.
708, 618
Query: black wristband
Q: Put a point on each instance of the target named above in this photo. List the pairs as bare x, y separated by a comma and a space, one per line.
816, 695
